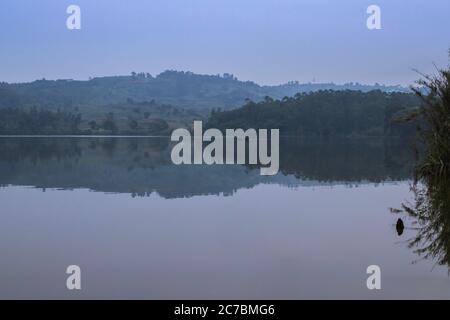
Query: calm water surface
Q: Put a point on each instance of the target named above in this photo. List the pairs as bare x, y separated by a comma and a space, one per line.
140, 227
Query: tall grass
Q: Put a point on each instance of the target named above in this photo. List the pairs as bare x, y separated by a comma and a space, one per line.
434, 92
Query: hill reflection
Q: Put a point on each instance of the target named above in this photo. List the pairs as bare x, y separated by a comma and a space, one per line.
142, 166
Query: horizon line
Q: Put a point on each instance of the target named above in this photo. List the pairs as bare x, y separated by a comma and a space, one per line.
222, 75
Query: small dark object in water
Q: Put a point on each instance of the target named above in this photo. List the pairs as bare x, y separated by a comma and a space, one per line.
400, 227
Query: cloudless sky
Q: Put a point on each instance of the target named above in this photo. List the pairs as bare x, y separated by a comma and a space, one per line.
267, 41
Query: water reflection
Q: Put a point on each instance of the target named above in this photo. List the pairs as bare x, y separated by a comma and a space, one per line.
268, 241
141, 166
431, 214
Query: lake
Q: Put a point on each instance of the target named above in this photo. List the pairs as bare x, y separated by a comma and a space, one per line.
140, 227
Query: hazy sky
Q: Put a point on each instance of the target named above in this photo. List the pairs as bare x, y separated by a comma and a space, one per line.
268, 41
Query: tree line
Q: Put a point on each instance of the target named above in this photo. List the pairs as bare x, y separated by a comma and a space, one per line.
36, 121
322, 113
326, 113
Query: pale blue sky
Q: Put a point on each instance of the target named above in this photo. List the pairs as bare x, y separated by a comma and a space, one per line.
268, 41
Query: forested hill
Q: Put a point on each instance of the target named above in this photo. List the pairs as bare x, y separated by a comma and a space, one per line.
180, 89
326, 113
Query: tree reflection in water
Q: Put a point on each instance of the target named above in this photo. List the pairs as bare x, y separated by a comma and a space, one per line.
431, 212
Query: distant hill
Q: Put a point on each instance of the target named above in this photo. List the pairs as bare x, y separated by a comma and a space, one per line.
141, 104
177, 88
